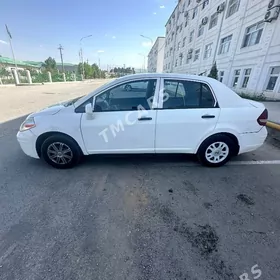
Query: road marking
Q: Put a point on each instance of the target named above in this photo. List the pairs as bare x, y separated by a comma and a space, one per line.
8, 252
230, 163
253, 162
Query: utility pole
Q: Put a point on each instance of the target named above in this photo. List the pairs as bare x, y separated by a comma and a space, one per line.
61, 57
81, 52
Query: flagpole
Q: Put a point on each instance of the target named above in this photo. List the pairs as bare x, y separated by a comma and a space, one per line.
11, 45
13, 53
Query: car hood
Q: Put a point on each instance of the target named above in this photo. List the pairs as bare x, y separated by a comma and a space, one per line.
51, 110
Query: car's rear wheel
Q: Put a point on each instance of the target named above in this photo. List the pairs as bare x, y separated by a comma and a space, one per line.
216, 150
128, 88
60, 151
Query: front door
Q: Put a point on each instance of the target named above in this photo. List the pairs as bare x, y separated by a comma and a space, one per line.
123, 119
188, 113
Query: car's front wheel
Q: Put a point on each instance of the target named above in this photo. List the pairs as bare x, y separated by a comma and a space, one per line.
128, 88
60, 151
216, 150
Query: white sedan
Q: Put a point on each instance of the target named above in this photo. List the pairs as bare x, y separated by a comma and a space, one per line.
169, 113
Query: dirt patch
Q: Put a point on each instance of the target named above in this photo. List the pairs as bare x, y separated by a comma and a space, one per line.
207, 205
190, 187
245, 199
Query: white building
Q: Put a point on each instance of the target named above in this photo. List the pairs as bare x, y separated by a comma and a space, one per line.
235, 34
155, 56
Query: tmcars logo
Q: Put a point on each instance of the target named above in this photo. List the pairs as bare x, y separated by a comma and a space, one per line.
255, 273
129, 119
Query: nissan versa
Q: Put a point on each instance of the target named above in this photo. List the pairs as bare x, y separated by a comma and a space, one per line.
162, 113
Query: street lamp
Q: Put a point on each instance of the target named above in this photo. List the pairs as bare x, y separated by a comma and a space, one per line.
81, 53
144, 61
147, 38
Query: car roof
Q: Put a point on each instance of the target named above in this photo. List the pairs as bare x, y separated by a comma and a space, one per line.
226, 97
163, 75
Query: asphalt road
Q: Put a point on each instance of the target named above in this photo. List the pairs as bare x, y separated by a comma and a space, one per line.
138, 218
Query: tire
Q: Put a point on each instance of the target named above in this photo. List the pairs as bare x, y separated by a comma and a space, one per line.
216, 150
61, 152
128, 88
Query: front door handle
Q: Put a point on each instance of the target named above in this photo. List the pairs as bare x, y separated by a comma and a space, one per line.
145, 119
208, 116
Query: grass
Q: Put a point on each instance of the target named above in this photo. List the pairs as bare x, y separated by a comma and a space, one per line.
259, 97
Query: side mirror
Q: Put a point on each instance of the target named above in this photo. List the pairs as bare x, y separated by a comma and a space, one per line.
89, 109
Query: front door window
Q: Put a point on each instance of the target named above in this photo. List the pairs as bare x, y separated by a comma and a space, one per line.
127, 97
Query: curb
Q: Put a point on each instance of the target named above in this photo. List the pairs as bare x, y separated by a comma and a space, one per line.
273, 125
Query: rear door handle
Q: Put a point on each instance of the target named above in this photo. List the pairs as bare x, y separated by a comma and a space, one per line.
208, 116
145, 119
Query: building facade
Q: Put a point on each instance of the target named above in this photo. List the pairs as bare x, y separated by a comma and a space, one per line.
241, 36
155, 56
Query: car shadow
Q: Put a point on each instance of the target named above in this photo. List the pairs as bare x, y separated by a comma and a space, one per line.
140, 159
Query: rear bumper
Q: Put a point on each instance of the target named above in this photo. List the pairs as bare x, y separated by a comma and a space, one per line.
27, 142
251, 141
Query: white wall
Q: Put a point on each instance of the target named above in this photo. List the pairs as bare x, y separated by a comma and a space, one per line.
260, 57
156, 56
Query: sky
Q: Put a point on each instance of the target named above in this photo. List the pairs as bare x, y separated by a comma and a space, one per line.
38, 27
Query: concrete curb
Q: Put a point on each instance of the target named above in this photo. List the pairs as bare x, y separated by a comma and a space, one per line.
273, 125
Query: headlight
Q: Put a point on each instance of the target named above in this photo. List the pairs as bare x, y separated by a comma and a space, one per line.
27, 124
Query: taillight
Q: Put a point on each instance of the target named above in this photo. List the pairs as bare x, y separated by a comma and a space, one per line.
262, 119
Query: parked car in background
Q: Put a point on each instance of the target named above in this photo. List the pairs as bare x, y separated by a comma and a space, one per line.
165, 113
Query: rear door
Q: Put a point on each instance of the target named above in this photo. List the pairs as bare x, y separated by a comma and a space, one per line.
188, 111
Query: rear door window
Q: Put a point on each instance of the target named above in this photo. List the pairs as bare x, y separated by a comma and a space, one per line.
187, 94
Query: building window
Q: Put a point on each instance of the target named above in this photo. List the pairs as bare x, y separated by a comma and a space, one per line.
221, 76
181, 27
191, 36
195, 10
189, 57
181, 59
196, 55
213, 20
253, 34
184, 42
169, 65
236, 77
225, 44
189, 2
205, 3
200, 30
208, 50
232, 7
273, 76
176, 62
247, 73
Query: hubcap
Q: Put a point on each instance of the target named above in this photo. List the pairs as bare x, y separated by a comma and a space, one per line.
59, 153
217, 152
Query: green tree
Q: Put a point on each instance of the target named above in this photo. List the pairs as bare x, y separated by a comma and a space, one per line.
50, 64
96, 71
4, 73
214, 72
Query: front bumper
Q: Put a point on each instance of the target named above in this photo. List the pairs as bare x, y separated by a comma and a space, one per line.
27, 142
